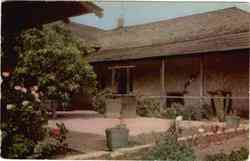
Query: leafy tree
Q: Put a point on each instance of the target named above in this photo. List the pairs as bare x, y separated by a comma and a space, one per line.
50, 65
53, 59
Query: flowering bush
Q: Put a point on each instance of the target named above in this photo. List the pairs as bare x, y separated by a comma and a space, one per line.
59, 134
55, 133
22, 119
44, 64
53, 145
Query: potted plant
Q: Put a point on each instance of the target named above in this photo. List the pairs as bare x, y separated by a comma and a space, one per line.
222, 103
232, 120
219, 105
117, 137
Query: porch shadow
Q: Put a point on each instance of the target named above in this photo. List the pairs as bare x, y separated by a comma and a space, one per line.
61, 115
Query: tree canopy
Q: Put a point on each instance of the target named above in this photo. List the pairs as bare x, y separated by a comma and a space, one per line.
53, 59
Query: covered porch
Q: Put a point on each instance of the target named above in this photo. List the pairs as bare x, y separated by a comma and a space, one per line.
191, 80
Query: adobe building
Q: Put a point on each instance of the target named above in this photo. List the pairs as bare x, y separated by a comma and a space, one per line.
188, 60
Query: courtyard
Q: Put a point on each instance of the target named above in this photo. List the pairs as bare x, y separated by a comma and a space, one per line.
159, 89
87, 132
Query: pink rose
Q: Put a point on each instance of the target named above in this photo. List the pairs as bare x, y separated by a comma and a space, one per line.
6, 74
41, 93
18, 88
55, 132
34, 88
37, 99
24, 90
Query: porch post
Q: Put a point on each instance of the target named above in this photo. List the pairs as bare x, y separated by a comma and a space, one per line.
128, 80
166, 76
113, 80
249, 79
162, 76
162, 101
201, 79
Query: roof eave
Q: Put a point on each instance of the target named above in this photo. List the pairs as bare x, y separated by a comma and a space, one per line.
212, 44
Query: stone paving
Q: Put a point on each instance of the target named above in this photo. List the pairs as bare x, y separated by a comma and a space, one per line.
94, 123
87, 128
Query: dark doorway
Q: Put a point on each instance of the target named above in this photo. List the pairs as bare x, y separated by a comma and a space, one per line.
122, 81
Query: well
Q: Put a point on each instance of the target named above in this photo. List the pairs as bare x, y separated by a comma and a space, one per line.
121, 106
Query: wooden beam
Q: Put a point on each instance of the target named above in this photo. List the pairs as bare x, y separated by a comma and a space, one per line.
123, 66
193, 97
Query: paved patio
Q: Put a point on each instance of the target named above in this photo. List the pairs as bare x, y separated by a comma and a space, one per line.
87, 129
94, 123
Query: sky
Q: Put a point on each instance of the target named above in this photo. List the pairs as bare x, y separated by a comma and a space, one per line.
135, 13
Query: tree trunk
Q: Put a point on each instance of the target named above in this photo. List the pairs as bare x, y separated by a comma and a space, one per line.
53, 106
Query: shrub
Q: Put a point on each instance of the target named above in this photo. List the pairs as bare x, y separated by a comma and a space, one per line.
53, 144
99, 100
148, 107
59, 134
44, 150
22, 120
176, 110
169, 148
239, 155
188, 112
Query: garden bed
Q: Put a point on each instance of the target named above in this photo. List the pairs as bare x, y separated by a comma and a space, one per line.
208, 145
